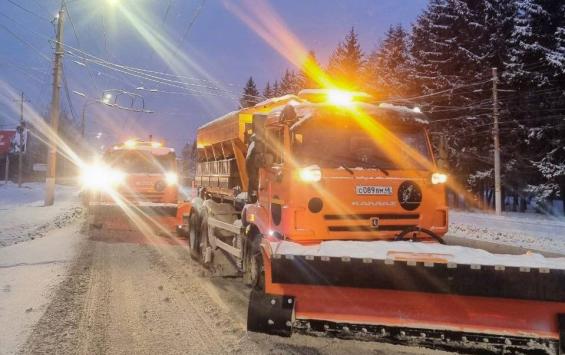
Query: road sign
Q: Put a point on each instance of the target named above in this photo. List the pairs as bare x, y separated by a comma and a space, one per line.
6, 139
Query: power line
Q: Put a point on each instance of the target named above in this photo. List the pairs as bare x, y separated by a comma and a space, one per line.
91, 58
79, 45
25, 42
143, 74
67, 95
439, 92
29, 11
191, 23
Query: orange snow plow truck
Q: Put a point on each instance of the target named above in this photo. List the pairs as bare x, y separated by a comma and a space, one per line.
132, 188
333, 210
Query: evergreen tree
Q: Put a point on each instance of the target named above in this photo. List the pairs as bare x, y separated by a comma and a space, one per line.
534, 72
387, 68
276, 89
268, 92
529, 44
556, 56
309, 67
289, 83
453, 49
346, 62
250, 95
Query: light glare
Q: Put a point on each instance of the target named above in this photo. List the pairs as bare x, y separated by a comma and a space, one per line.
311, 174
100, 177
171, 178
338, 97
439, 178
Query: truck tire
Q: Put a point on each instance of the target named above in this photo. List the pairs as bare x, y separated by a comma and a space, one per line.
206, 254
194, 236
254, 273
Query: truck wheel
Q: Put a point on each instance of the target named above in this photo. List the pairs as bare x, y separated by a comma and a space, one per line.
206, 254
194, 236
254, 273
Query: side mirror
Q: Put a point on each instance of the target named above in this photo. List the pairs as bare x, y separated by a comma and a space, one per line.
258, 125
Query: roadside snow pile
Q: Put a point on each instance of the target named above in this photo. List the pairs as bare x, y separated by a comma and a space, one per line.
522, 230
383, 250
23, 217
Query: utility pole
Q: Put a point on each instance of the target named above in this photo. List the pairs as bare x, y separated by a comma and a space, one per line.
55, 107
21, 131
496, 133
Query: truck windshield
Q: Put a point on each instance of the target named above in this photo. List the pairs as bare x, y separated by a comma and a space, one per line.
350, 146
140, 162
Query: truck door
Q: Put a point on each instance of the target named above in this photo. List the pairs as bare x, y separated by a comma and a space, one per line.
272, 191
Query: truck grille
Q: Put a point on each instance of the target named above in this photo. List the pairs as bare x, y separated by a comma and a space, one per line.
382, 216
370, 229
143, 197
361, 222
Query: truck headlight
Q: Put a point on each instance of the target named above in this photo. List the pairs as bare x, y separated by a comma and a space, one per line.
439, 178
100, 177
310, 174
171, 178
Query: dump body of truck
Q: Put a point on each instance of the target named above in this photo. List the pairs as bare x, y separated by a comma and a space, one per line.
133, 188
334, 211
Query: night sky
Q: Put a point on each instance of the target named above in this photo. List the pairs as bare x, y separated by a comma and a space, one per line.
216, 56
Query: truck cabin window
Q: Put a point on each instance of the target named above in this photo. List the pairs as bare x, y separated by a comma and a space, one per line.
135, 161
346, 144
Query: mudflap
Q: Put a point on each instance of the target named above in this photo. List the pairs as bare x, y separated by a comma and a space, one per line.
270, 314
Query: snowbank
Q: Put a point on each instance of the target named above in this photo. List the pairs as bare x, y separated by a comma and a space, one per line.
383, 250
23, 217
535, 232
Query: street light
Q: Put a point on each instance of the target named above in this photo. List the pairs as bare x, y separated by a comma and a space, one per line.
106, 98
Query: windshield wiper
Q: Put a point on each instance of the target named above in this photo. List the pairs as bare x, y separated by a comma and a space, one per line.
383, 170
349, 170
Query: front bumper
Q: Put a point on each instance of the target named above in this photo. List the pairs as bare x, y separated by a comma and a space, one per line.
146, 209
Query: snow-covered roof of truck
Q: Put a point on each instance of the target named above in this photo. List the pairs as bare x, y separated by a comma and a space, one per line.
404, 115
219, 119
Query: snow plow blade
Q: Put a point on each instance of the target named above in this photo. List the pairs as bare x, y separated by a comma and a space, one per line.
411, 293
155, 218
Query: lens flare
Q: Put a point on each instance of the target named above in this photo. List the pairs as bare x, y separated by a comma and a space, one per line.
310, 174
171, 178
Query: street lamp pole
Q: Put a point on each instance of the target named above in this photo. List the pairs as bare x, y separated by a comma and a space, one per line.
55, 107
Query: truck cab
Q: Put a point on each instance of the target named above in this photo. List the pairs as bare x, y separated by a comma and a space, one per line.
355, 171
134, 181
324, 165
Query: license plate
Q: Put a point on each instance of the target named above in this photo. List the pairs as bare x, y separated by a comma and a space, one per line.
374, 190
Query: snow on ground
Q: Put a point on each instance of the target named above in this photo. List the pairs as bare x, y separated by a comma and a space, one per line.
530, 231
23, 217
29, 274
30, 271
